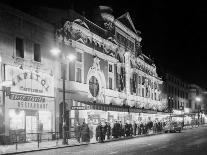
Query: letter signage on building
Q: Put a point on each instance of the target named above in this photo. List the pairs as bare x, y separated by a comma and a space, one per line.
20, 101
29, 82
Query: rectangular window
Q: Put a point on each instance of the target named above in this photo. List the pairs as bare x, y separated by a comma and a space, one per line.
110, 68
63, 70
139, 91
37, 52
19, 48
143, 80
140, 80
152, 96
142, 92
79, 56
189, 104
155, 96
110, 83
78, 75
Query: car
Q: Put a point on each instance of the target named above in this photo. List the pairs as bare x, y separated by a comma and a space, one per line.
173, 127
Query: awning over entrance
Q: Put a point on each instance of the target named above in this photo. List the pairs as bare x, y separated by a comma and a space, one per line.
120, 108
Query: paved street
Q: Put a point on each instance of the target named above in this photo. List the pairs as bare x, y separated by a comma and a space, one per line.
193, 141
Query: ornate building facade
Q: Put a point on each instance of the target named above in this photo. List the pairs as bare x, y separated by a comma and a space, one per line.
111, 79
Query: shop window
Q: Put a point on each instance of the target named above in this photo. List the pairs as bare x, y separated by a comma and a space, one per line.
78, 75
93, 86
16, 119
19, 48
110, 83
79, 56
45, 117
37, 52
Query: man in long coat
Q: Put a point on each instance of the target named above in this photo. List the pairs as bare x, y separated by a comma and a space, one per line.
98, 132
85, 137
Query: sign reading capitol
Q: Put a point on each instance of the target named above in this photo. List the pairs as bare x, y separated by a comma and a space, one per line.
30, 82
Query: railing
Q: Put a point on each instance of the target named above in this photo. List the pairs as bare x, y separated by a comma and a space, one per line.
22, 137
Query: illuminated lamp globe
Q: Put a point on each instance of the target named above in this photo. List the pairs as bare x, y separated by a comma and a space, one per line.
198, 99
71, 57
55, 51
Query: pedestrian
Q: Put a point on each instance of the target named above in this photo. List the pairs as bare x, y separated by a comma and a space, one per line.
85, 137
98, 132
141, 128
115, 130
78, 132
108, 130
40, 130
134, 128
103, 133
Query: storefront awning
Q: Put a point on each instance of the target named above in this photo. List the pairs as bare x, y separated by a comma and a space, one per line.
120, 108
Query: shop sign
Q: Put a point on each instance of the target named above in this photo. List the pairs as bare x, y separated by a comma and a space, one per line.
29, 102
79, 108
149, 111
29, 81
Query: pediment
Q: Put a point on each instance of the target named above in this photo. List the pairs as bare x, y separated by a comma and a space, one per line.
127, 21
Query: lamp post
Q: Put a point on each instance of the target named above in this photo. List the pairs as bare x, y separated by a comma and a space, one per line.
56, 52
198, 99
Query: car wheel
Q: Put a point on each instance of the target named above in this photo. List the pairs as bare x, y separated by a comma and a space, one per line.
165, 131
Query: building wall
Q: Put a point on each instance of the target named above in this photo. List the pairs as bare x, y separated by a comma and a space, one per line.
13, 24
176, 92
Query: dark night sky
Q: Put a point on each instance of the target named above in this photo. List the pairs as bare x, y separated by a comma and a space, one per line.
173, 33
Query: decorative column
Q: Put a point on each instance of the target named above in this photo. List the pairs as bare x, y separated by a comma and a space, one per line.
128, 74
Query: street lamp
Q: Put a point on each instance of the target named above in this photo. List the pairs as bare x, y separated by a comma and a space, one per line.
70, 58
198, 100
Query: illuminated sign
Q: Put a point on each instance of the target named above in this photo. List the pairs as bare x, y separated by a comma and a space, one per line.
29, 82
80, 107
29, 102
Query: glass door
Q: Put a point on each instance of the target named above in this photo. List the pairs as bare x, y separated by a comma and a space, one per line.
31, 127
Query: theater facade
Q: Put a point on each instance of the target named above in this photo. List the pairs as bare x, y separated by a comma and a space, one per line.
111, 78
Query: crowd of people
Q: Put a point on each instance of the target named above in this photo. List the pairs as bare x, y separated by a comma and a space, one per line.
116, 130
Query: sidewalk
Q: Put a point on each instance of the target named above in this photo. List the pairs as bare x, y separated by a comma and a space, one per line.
46, 145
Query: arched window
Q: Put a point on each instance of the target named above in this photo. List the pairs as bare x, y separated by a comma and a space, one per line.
93, 86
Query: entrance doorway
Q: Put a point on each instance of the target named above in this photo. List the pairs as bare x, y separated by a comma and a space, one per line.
31, 127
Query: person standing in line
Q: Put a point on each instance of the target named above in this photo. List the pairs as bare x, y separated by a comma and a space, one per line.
85, 137
103, 133
108, 130
115, 130
40, 131
98, 132
78, 132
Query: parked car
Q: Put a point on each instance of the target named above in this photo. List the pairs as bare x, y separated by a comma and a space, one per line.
173, 127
